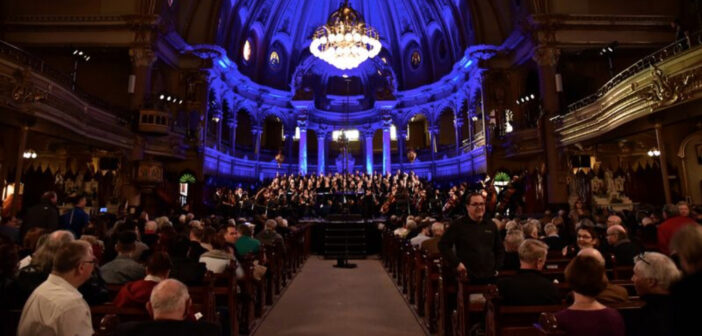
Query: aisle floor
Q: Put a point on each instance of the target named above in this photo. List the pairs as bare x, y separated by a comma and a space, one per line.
324, 300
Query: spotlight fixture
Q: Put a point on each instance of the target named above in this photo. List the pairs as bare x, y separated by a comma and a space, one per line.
654, 152
29, 154
171, 99
526, 98
80, 54
609, 49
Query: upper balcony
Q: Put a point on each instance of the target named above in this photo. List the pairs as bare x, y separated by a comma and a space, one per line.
29, 86
669, 76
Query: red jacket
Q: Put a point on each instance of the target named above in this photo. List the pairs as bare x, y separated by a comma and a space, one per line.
135, 294
666, 231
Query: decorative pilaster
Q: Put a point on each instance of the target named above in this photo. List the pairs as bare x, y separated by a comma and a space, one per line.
302, 161
368, 141
401, 137
458, 125
143, 59
322, 133
387, 122
547, 59
231, 123
664, 163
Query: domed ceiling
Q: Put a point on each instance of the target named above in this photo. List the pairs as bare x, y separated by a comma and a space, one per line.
421, 39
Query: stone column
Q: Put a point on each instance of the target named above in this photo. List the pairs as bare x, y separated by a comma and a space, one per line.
218, 129
401, 136
433, 133
458, 125
142, 58
368, 141
547, 59
19, 168
321, 154
256, 130
302, 159
471, 131
289, 143
232, 136
664, 163
387, 163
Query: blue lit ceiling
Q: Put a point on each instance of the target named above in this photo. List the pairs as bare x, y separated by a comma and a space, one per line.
422, 39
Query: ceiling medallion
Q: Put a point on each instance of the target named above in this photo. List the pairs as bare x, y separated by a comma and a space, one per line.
345, 41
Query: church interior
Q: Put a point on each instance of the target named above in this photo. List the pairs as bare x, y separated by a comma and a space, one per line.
286, 137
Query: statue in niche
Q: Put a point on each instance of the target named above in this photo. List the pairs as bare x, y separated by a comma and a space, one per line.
280, 158
619, 182
596, 186
411, 155
609, 182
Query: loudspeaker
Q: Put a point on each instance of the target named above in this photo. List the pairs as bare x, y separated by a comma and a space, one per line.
559, 83
132, 83
107, 163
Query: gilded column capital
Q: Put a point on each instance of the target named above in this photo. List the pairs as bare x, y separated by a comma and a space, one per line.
546, 56
142, 56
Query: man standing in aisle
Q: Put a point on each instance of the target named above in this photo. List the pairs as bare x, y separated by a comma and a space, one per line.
56, 307
479, 251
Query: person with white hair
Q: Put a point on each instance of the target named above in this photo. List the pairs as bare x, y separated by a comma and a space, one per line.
431, 245
653, 275
168, 305
552, 239
56, 307
513, 240
529, 286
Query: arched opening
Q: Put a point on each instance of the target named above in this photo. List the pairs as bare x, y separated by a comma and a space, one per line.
245, 142
272, 138
447, 136
418, 134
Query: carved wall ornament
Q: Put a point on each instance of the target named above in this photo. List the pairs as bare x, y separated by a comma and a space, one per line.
24, 90
546, 56
664, 89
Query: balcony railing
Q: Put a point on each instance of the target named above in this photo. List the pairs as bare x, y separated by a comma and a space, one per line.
19, 56
645, 63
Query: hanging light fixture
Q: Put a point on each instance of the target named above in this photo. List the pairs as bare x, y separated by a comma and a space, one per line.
345, 41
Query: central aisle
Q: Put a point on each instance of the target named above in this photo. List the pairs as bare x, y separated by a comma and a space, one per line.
324, 300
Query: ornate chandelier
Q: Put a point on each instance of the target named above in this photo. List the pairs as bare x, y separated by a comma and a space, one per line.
345, 41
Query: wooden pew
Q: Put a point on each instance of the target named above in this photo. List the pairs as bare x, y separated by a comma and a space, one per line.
501, 320
224, 288
468, 312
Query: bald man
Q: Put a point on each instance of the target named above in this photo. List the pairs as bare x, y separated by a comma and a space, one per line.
613, 220
613, 293
622, 248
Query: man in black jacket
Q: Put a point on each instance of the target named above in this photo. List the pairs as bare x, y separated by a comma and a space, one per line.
529, 286
44, 215
169, 305
479, 251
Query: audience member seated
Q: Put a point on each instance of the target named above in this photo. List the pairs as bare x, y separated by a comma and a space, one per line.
168, 305
31, 242
136, 293
587, 237
196, 247
219, 258
9, 226
245, 243
552, 239
9, 290
586, 316
653, 274
531, 229
513, 240
422, 236
612, 293
686, 294
621, 247
529, 286
123, 268
431, 245
673, 222
56, 307
184, 269
268, 236
42, 261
